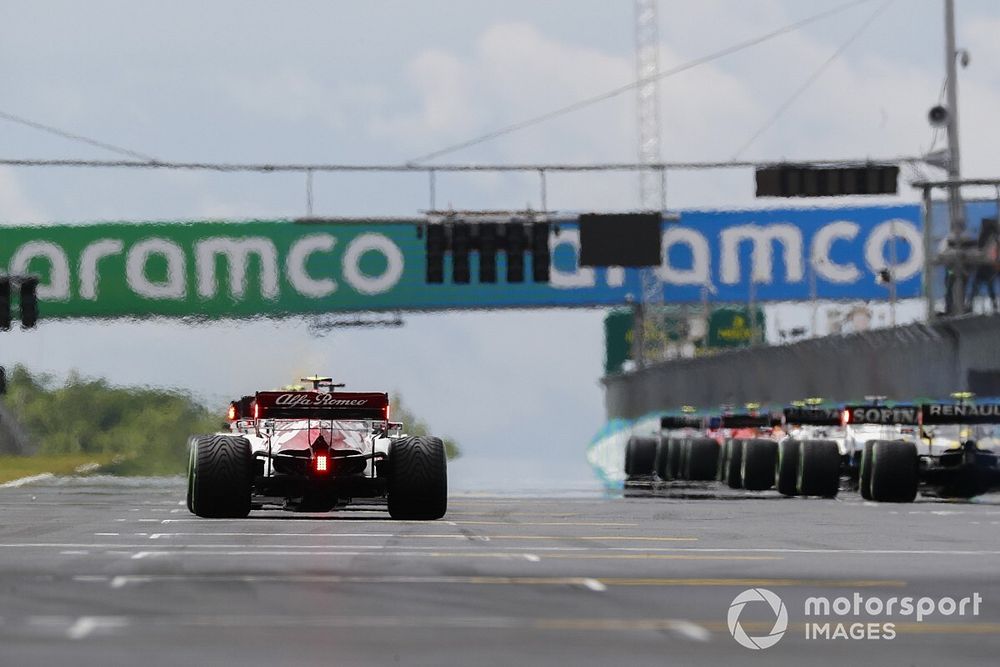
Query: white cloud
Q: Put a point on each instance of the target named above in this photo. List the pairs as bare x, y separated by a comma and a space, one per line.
15, 206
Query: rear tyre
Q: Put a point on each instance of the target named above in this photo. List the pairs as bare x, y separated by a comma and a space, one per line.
787, 479
192, 448
760, 458
894, 471
734, 465
702, 459
674, 457
819, 468
662, 462
220, 476
417, 479
865, 474
640, 456
723, 459
683, 456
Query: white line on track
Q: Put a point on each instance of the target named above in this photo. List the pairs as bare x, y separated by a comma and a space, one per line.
85, 625
329, 548
690, 630
120, 581
438, 536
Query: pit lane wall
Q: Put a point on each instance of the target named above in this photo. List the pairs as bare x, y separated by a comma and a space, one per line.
917, 360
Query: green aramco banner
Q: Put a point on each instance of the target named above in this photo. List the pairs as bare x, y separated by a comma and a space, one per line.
217, 269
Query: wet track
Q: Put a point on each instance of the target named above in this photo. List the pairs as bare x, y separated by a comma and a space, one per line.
111, 572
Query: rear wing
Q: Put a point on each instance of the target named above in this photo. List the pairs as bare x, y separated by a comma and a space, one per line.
682, 421
812, 416
344, 406
952, 413
902, 415
749, 421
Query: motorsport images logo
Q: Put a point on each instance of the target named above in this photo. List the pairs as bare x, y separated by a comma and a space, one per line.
855, 617
780, 618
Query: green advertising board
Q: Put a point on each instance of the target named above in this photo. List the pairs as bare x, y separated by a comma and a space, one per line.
267, 268
732, 327
727, 327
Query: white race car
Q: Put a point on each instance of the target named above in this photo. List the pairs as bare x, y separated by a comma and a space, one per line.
314, 451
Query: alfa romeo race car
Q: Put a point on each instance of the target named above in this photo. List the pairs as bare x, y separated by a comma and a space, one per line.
313, 451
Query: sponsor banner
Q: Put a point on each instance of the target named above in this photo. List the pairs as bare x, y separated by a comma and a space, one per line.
952, 413
276, 268
812, 416
887, 416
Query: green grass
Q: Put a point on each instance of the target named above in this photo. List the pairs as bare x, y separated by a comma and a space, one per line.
15, 467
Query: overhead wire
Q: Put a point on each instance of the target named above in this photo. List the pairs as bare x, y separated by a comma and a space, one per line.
581, 104
72, 136
784, 106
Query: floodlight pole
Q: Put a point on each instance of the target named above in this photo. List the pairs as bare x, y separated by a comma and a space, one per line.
955, 206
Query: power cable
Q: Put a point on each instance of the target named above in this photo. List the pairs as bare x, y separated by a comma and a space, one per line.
812, 79
75, 137
576, 106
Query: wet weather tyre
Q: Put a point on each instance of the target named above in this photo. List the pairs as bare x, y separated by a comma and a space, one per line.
702, 459
787, 476
760, 458
734, 465
865, 474
819, 468
220, 477
640, 456
895, 474
417, 479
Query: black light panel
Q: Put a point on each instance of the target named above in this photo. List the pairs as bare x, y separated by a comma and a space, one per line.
620, 239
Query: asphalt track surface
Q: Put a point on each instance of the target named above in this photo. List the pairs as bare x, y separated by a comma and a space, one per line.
116, 572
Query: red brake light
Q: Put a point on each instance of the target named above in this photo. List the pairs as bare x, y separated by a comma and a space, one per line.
232, 412
256, 410
322, 463
387, 412
845, 417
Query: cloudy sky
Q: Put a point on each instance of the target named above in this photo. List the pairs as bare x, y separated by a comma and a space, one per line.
385, 81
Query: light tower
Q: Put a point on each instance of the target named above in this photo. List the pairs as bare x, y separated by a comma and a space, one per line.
647, 64
652, 195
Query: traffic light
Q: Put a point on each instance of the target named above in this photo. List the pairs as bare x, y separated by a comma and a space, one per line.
788, 180
29, 302
488, 252
460, 273
540, 259
435, 247
4, 304
621, 239
515, 247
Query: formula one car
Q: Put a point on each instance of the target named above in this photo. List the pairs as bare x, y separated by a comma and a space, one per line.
313, 451
936, 448
749, 449
812, 459
680, 451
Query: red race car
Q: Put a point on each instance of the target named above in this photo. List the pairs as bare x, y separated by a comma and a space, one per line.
313, 451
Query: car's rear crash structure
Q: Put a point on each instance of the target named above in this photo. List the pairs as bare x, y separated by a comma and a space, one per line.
314, 451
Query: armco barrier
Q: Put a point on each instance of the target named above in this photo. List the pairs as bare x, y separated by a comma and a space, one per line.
910, 361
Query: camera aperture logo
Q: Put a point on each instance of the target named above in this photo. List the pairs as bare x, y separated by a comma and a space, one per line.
780, 618
854, 617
